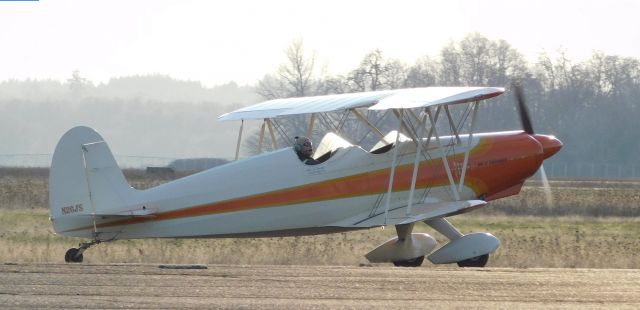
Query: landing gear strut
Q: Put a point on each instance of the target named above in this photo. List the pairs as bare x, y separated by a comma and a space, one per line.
74, 255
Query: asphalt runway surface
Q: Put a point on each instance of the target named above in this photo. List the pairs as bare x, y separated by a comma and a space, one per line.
312, 287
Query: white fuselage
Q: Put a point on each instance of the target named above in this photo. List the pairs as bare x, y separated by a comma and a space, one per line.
275, 194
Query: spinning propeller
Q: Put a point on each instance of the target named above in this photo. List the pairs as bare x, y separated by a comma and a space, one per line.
523, 111
527, 126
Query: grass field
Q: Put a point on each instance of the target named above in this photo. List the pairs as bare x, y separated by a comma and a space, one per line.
592, 224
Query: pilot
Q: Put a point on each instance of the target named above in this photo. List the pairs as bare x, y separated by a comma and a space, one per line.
304, 149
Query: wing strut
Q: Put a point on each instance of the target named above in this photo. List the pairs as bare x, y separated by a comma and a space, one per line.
274, 143
366, 121
261, 136
445, 161
312, 120
239, 139
452, 124
416, 161
466, 153
393, 167
406, 129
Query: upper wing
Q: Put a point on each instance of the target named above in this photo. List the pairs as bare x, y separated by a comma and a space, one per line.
375, 100
432, 96
305, 105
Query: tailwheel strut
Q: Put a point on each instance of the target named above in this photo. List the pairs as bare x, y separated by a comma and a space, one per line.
74, 255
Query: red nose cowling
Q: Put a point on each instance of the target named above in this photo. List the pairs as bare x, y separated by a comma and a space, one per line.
550, 144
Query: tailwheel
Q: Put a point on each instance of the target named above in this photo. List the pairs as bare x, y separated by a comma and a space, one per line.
72, 256
414, 262
478, 261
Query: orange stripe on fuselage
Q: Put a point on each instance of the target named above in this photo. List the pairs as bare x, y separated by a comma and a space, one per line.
496, 163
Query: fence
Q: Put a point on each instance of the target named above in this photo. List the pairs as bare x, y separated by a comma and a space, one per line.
44, 160
592, 170
124, 161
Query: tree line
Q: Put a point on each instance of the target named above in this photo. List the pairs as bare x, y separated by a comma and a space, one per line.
592, 105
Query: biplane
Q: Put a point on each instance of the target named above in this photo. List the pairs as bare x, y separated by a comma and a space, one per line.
427, 165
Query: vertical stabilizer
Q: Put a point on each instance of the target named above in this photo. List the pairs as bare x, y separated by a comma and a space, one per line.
84, 180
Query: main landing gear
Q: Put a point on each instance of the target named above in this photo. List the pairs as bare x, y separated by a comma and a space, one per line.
471, 250
74, 255
415, 262
478, 261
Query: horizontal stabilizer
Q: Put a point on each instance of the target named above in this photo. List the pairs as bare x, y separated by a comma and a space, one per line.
145, 213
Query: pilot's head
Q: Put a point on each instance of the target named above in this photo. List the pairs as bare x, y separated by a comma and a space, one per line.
303, 146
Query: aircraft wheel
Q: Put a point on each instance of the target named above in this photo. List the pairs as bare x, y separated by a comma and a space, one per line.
414, 262
478, 261
70, 256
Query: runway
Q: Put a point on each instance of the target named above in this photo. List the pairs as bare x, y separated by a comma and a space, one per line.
312, 287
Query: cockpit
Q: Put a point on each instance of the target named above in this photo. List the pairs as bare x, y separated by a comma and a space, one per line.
331, 143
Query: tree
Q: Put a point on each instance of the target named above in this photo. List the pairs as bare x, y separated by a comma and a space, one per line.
293, 78
77, 83
565, 98
423, 73
450, 66
332, 85
394, 75
368, 76
475, 55
272, 87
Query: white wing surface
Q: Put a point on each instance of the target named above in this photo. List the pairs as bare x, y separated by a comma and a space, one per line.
306, 105
432, 96
376, 100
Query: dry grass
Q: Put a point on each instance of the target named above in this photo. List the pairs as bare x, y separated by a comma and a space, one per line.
587, 227
526, 242
590, 198
568, 242
27, 188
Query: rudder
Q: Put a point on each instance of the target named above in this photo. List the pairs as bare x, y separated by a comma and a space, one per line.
84, 179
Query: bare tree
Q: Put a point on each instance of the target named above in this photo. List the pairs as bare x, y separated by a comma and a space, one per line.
293, 78
545, 72
272, 87
332, 85
505, 64
77, 83
423, 73
298, 70
450, 65
475, 55
395, 74
369, 75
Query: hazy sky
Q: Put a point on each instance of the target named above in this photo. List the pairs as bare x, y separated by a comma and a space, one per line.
219, 41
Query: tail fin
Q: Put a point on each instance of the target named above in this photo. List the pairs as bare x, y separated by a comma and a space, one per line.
84, 179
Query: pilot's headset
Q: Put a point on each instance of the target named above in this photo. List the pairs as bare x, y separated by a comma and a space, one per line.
303, 145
